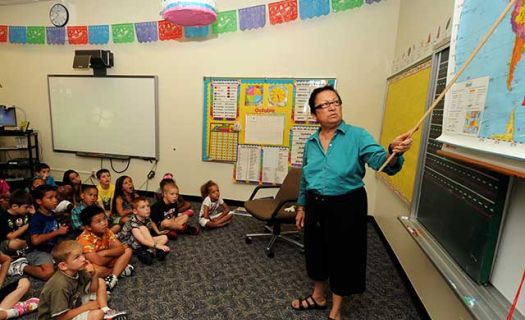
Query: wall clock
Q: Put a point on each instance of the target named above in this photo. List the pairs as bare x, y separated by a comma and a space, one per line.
58, 15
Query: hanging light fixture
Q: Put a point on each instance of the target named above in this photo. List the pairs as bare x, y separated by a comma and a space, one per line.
189, 12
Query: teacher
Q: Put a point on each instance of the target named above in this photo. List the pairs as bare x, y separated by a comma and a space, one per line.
333, 203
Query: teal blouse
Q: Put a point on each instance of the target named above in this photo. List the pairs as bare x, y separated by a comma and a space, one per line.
342, 168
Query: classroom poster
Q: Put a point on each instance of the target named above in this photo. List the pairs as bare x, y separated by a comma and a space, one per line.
270, 113
248, 165
299, 135
274, 165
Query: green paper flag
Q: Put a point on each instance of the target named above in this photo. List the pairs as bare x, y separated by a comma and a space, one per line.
342, 5
226, 22
123, 32
36, 35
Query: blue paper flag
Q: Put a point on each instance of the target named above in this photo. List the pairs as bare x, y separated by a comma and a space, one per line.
252, 17
196, 32
17, 34
98, 34
56, 35
313, 8
146, 31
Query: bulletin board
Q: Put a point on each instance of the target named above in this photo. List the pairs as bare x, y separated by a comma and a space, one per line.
258, 124
406, 99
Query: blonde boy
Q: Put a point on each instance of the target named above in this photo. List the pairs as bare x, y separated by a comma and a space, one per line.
75, 291
136, 233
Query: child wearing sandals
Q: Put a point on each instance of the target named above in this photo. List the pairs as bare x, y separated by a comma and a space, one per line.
165, 212
12, 293
136, 233
214, 213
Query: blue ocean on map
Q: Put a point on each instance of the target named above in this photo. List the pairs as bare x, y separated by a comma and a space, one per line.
504, 114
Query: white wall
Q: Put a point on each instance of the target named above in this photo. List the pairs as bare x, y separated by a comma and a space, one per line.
417, 18
510, 258
356, 47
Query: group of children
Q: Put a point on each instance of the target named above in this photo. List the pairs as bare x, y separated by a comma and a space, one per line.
80, 239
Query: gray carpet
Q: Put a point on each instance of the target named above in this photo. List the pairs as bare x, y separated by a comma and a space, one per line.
216, 275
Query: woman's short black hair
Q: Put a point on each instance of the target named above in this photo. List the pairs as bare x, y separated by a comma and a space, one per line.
316, 91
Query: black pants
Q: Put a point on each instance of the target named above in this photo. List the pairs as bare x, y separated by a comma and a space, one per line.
335, 235
5, 291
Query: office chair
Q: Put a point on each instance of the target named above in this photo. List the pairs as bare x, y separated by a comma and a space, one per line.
272, 211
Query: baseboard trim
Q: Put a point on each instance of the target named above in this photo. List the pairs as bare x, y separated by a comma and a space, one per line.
420, 308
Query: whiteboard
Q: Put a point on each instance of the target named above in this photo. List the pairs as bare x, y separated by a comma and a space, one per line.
113, 116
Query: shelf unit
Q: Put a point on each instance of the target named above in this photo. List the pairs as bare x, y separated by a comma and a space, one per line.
19, 153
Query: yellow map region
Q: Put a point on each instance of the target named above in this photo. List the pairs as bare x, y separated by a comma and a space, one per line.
405, 105
509, 133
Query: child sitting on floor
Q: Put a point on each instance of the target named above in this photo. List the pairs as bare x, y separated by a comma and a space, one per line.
72, 178
75, 291
121, 206
12, 293
165, 212
101, 247
106, 189
14, 223
88, 197
42, 171
136, 233
44, 231
214, 213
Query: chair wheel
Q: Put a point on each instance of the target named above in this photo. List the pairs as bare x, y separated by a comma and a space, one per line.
270, 254
248, 240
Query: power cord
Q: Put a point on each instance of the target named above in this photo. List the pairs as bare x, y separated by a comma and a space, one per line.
115, 170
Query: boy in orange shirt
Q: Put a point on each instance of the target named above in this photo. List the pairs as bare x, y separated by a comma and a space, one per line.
109, 256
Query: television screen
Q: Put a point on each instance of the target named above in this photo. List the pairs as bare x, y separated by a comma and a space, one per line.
7, 117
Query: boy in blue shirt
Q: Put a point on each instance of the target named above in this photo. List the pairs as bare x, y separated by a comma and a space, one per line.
42, 171
44, 231
88, 198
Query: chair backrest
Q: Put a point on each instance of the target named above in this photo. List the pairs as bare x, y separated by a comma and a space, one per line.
289, 189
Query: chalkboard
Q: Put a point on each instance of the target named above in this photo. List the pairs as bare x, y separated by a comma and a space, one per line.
459, 204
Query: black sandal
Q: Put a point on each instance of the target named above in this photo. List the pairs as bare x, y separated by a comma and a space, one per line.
309, 306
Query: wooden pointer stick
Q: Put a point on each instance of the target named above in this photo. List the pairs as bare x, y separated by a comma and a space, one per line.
453, 80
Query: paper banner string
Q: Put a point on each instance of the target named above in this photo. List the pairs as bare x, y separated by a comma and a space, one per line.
226, 22
252, 17
282, 11
56, 35
123, 32
313, 8
146, 31
3, 33
342, 5
248, 18
77, 35
17, 34
169, 31
36, 35
99, 34
196, 32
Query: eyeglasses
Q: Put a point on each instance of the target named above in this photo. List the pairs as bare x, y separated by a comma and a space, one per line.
328, 104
